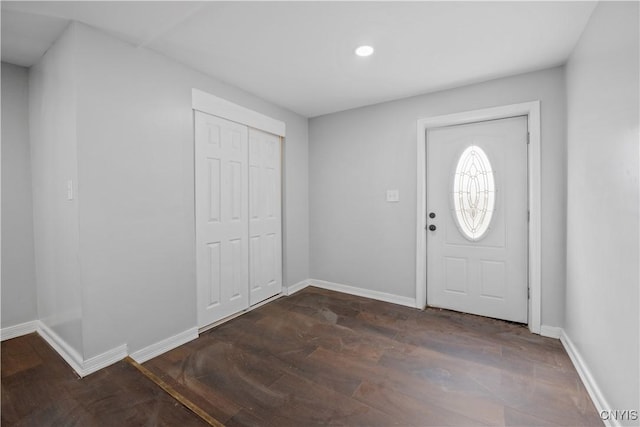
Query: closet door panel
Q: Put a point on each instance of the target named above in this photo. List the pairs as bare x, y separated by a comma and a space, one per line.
222, 221
265, 221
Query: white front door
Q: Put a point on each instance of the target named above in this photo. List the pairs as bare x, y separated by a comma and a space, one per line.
265, 242
222, 227
477, 225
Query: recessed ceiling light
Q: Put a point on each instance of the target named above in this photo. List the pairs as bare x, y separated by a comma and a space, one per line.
364, 50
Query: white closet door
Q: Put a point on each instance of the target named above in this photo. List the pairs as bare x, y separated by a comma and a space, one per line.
222, 227
265, 226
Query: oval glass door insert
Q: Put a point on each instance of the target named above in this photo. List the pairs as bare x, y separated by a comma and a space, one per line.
473, 193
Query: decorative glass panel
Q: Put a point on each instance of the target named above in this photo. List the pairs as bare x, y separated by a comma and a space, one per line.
473, 193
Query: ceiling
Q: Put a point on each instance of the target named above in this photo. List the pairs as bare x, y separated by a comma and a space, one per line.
300, 54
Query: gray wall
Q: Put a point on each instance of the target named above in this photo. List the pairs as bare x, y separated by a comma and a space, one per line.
135, 156
603, 201
359, 240
52, 120
117, 264
18, 265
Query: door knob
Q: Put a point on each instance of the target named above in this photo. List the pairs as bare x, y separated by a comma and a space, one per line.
432, 214
432, 227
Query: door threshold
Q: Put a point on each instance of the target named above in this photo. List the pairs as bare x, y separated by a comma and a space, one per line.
240, 313
514, 322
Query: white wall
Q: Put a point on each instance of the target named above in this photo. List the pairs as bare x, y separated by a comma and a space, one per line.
52, 119
18, 264
603, 201
135, 150
360, 240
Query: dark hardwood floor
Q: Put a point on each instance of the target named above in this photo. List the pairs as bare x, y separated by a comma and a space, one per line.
321, 357
40, 389
316, 358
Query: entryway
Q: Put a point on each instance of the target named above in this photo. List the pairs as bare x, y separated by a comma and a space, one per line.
478, 223
478, 214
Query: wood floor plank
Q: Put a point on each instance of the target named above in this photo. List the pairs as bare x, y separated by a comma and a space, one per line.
212, 400
411, 410
309, 404
175, 394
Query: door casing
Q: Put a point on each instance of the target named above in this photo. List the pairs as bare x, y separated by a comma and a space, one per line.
532, 111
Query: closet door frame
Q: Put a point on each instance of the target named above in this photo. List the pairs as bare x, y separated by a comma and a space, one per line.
219, 107
211, 104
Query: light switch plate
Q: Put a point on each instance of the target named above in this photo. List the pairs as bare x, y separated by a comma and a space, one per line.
393, 196
69, 190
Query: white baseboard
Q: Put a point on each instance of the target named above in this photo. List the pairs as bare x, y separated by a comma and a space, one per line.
589, 382
297, 287
550, 331
103, 360
18, 330
377, 295
69, 354
74, 359
95, 363
165, 345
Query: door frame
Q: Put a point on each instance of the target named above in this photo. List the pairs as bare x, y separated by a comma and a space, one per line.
219, 107
532, 111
